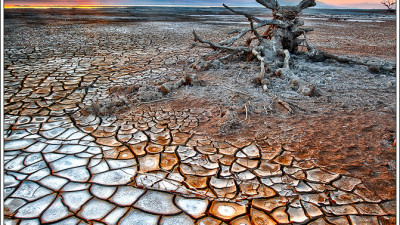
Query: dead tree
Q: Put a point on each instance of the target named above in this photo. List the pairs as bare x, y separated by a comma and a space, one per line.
277, 43
389, 4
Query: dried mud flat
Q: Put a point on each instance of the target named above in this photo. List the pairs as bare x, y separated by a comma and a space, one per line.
89, 139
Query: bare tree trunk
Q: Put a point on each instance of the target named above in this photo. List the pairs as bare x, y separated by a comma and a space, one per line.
278, 42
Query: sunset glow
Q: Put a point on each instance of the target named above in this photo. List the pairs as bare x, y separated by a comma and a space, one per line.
60, 6
368, 4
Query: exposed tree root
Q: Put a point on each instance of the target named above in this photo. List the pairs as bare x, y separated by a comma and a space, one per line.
320, 55
276, 44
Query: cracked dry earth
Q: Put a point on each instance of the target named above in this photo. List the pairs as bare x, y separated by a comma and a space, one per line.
158, 163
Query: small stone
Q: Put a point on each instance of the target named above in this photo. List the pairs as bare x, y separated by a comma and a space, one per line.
307, 90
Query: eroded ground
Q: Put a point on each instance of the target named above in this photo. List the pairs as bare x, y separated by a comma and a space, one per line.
220, 151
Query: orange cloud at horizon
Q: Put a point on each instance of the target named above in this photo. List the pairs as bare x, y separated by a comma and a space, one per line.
50, 3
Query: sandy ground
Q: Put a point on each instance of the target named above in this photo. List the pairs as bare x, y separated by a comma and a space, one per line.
348, 129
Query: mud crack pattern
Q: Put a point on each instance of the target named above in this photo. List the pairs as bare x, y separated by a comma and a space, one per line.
152, 166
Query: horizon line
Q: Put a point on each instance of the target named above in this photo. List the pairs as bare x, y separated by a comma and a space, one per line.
124, 6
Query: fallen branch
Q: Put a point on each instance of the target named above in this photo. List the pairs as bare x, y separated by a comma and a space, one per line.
217, 46
286, 106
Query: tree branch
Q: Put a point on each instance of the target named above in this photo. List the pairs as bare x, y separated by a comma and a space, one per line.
242, 13
306, 4
270, 4
244, 31
259, 37
218, 46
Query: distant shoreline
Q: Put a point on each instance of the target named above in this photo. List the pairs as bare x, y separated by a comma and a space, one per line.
169, 6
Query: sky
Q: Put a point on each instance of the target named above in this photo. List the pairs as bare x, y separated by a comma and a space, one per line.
368, 4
